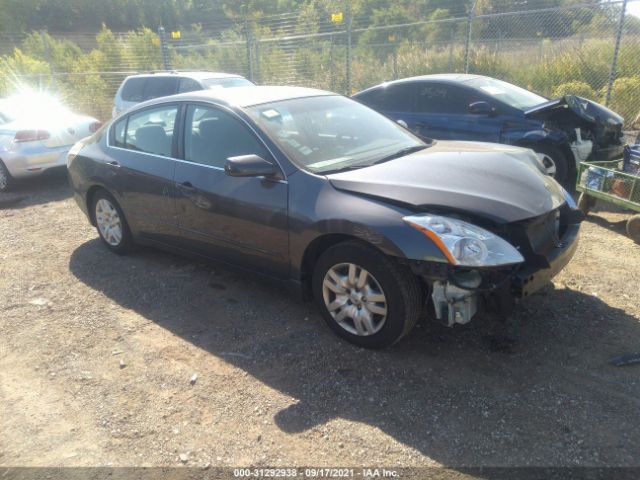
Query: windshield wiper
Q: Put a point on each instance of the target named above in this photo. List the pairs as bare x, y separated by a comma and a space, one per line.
401, 153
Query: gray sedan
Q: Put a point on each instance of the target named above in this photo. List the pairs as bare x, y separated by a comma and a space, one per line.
320, 192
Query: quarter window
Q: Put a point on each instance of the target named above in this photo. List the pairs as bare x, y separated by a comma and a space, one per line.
133, 89
188, 85
148, 131
213, 135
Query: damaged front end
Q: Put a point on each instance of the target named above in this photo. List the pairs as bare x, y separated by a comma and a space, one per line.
546, 244
594, 132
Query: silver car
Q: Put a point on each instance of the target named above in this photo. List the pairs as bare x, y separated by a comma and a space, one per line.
36, 132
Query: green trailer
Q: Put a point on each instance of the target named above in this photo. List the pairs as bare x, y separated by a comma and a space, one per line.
607, 182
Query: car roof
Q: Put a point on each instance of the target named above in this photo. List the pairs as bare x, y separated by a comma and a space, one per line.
244, 96
196, 74
438, 77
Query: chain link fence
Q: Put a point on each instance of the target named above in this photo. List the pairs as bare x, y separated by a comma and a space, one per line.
588, 49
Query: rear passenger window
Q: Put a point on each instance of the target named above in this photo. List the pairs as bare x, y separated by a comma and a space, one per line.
212, 136
160, 87
150, 131
133, 90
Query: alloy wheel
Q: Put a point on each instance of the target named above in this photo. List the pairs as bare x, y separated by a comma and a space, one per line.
549, 165
354, 298
109, 222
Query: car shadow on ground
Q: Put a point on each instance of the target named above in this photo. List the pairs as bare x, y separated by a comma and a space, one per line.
52, 186
553, 400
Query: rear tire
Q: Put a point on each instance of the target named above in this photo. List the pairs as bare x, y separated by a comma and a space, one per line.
346, 274
633, 228
6, 180
111, 223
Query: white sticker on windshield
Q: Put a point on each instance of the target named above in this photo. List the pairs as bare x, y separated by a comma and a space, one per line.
493, 90
270, 114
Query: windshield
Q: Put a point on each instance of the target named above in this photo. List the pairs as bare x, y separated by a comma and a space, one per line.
510, 94
226, 82
330, 133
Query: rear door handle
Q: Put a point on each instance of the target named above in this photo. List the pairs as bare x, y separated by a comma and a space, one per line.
113, 163
186, 187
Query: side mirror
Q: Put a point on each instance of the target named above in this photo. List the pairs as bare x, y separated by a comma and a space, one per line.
481, 108
250, 166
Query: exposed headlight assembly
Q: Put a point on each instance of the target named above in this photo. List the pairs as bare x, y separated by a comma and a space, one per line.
465, 244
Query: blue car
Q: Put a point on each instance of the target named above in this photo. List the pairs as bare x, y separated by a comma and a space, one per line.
564, 131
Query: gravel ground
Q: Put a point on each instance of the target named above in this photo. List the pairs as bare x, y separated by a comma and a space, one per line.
156, 360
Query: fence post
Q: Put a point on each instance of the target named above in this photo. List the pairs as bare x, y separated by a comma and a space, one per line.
247, 31
467, 40
348, 13
164, 47
332, 68
257, 72
616, 50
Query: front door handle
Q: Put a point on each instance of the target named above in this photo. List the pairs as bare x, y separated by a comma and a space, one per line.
186, 187
114, 163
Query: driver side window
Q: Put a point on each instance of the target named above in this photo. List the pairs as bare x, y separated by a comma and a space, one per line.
213, 135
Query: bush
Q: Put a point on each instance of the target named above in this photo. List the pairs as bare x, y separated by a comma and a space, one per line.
580, 89
625, 97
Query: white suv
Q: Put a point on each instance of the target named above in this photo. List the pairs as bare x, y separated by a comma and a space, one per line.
138, 88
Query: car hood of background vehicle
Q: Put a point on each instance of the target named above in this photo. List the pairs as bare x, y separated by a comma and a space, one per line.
581, 110
496, 182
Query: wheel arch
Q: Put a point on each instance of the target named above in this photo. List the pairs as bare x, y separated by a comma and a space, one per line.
91, 192
314, 251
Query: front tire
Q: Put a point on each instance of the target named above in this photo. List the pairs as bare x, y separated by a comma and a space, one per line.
111, 223
557, 165
366, 297
6, 180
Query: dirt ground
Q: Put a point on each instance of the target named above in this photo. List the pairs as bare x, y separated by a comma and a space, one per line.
98, 353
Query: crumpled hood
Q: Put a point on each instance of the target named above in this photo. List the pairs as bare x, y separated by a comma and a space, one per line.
586, 112
498, 182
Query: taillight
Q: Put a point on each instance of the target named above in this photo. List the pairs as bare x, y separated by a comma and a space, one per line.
93, 128
31, 135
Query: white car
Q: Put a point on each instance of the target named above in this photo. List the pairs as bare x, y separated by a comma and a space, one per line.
147, 86
36, 132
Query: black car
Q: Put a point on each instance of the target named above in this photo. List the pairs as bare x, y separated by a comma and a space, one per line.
565, 131
320, 191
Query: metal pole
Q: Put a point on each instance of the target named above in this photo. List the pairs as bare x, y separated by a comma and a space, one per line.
332, 69
467, 39
249, 55
616, 50
164, 47
257, 43
348, 12
395, 62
